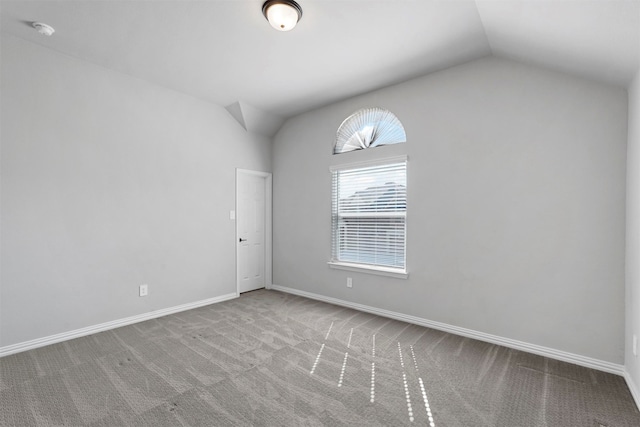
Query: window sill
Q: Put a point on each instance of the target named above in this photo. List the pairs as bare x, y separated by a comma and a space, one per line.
370, 269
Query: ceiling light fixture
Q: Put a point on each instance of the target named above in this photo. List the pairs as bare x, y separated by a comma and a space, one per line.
43, 29
283, 15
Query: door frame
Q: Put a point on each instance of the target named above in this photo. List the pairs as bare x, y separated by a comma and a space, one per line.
268, 231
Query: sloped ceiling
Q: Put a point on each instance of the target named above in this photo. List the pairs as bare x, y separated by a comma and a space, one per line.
224, 51
599, 39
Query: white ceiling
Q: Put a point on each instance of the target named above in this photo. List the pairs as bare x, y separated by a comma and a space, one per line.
225, 52
597, 39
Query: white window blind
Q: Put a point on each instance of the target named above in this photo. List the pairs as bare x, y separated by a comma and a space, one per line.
369, 214
367, 128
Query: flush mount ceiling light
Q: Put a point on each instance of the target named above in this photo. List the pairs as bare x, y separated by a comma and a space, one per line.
43, 29
283, 15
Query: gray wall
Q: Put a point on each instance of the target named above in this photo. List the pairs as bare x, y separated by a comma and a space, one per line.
109, 182
633, 233
516, 205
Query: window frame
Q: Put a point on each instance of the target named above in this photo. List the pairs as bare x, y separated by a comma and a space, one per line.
377, 269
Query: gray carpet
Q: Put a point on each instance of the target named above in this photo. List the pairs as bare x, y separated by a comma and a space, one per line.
273, 359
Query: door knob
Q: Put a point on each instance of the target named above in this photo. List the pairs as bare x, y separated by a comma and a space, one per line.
242, 240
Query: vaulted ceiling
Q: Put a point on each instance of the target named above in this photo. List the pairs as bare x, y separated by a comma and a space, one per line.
225, 52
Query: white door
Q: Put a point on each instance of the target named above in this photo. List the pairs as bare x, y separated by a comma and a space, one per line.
251, 226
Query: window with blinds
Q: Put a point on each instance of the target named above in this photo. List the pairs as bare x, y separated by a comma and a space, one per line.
369, 211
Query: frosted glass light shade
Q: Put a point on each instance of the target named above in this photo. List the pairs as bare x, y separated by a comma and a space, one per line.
283, 15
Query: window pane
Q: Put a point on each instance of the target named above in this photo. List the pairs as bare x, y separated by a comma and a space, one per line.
369, 210
367, 128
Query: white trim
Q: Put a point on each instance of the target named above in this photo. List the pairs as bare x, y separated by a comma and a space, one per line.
370, 269
53, 339
551, 353
633, 388
268, 219
268, 244
252, 172
367, 163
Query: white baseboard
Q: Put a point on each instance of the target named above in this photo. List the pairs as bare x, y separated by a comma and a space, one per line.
633, 387
41, 342
564, 356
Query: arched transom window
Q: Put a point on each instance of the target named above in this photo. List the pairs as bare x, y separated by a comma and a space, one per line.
367, 128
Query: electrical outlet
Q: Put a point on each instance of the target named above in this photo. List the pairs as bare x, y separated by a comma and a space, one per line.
635, 345
349, 282
144, 290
